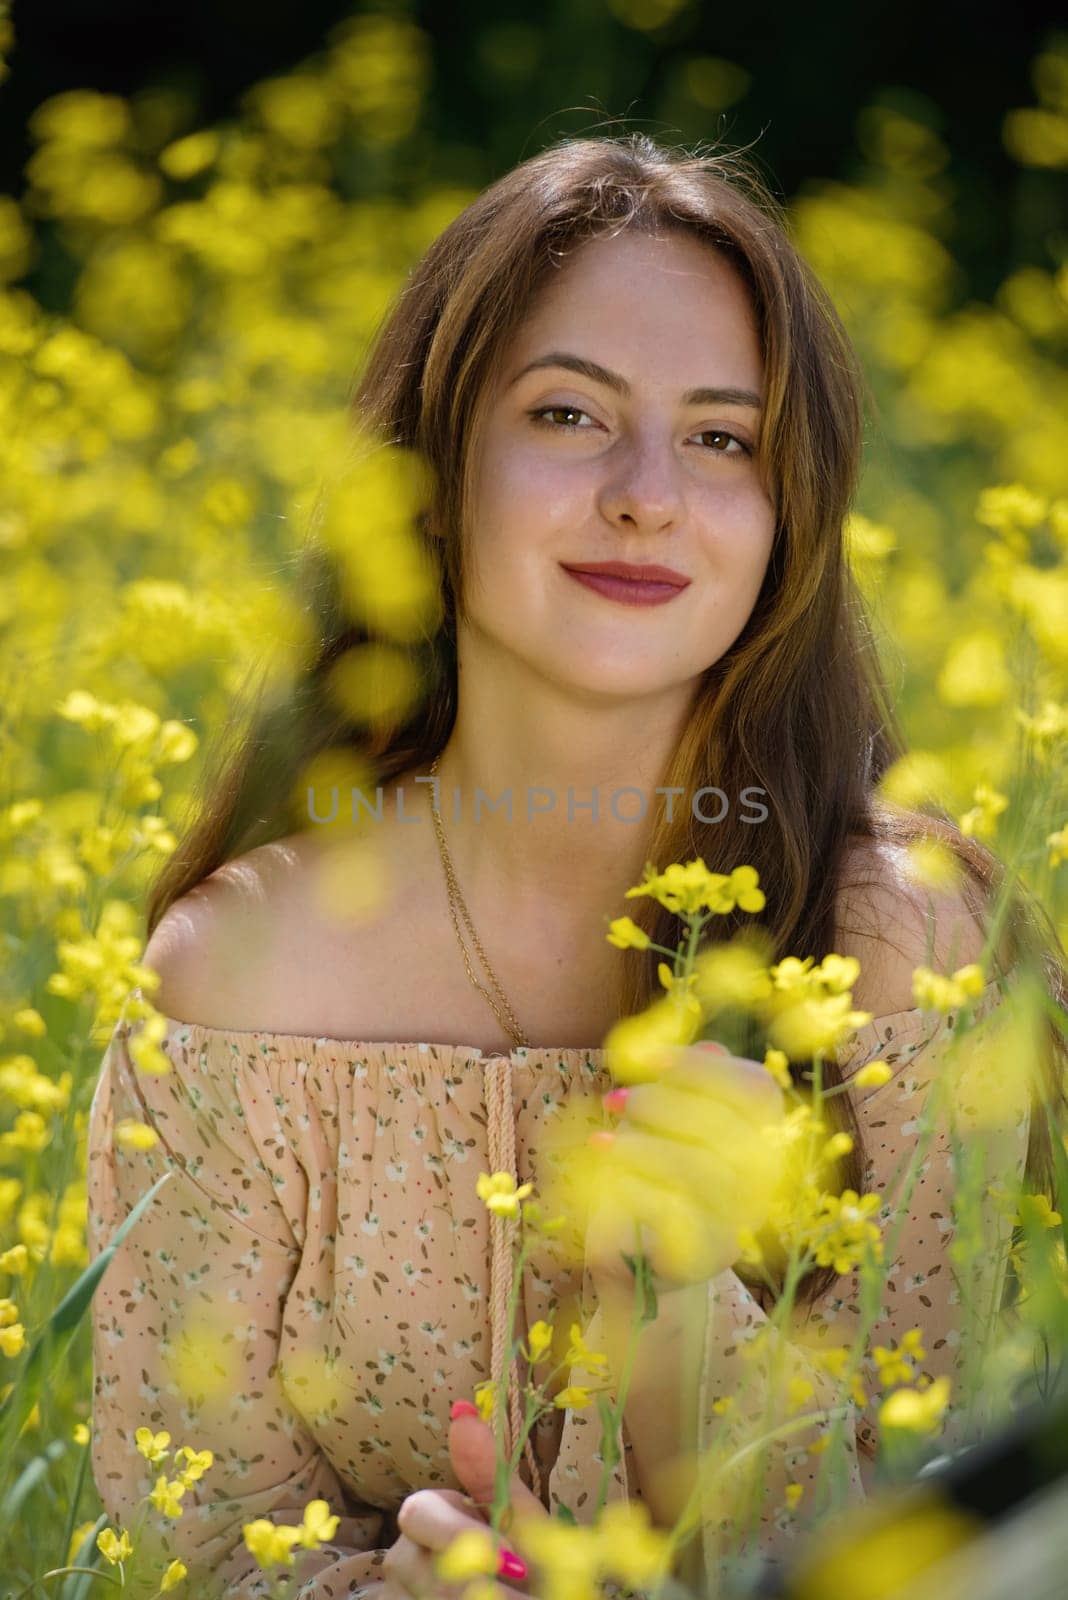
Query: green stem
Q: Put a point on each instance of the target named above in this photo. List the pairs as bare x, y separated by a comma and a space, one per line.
60, 1572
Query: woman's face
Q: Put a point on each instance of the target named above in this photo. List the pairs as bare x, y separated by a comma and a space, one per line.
626, 463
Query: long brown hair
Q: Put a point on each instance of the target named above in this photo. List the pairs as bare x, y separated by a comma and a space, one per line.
797, 706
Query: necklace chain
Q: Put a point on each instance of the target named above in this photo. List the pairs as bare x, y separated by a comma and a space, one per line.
456, 901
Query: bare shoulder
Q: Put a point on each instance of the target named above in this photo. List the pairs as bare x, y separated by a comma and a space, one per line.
892, 925
227, 951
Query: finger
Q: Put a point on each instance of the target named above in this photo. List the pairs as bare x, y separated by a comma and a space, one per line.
407, 1564
472, 1452
719, 1185
433, 1517
738, 1080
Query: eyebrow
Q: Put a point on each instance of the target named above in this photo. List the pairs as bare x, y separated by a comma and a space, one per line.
613, 380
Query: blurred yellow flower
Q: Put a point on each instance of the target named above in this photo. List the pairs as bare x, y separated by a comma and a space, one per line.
12, 1340
981, 820
1058, 846
916, 1410
639, 1048
777, 1064
932, 991
134, 1135
872, 1075
469, 1554
173, 1576
270, 1544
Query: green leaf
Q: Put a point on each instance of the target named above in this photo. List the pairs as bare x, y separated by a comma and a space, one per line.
60, 1328
565, 1514
29, 1478
76, 1586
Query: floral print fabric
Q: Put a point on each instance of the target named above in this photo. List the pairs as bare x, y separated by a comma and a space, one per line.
308, 1292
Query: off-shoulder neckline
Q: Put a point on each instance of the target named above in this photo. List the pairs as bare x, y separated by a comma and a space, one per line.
909, 1017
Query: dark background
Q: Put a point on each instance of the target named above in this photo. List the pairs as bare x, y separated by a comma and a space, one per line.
508, 76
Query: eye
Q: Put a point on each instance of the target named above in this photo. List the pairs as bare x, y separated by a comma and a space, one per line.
721, 433
543, 413
550, 411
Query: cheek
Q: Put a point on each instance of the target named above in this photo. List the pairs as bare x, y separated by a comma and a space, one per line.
528, 504
738, 526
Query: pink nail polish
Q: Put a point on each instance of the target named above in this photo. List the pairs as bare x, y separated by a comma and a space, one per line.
510, 1566
712, 1044
615, 1099
462, 1408
602, 1137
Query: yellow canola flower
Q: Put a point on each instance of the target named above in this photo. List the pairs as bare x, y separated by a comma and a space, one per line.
573, 1398
273, 1544
113, 1548
484, 1399
9, 1313
197, 1463
81, 1434
539, 1341
173, 1576
690, 888
166, 1496
625, 934
153, 1446
916, 1410
500, 1194
578, 1355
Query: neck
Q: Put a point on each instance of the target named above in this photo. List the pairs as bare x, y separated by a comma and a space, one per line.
554, 814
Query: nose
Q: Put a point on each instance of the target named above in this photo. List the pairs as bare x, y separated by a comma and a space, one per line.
645, 491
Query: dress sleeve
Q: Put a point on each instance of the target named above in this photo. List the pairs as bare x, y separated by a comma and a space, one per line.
923, 1289
186, 1323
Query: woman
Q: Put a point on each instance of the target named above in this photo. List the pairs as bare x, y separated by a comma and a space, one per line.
613, 355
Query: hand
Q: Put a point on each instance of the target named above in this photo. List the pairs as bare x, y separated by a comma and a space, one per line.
429, 1519
692, 1160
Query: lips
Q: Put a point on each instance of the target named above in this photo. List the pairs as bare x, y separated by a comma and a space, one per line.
629, 572
613, 580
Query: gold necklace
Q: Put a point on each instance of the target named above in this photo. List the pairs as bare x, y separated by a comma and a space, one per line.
456, 899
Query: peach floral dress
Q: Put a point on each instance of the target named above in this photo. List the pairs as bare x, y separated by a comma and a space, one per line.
310, 1289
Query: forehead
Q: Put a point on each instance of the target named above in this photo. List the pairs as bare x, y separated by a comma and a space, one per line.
656, 301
